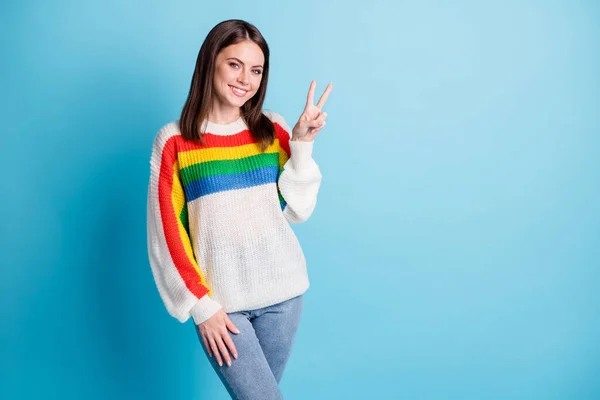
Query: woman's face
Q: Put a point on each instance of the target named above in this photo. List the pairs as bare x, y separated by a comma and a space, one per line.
238, 73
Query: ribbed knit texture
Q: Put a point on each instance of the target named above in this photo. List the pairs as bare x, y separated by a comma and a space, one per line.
218, 218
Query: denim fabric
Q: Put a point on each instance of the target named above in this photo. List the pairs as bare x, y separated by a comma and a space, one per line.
264, 345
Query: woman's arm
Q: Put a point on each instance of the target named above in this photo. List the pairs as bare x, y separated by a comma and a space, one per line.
179, 280
299, 177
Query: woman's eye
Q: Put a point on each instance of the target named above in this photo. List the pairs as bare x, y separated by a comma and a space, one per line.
257, 71
233, 65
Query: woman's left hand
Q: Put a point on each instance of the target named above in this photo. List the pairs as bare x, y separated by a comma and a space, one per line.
313, 118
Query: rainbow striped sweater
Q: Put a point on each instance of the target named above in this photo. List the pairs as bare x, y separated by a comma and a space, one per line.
219, 215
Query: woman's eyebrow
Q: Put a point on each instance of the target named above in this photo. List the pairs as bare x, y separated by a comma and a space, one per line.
241, 62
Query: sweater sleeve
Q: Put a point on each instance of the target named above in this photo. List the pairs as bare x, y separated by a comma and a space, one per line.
299, 178
180, 282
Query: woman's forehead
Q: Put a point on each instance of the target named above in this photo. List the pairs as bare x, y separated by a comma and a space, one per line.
248, 52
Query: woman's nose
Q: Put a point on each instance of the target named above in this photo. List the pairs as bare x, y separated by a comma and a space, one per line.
243, 77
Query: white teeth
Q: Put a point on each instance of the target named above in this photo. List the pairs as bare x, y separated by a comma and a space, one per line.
239, 91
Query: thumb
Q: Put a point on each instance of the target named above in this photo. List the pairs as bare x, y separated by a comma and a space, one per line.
231, 326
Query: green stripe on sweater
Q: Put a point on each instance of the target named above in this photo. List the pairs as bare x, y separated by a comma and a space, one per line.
228, 167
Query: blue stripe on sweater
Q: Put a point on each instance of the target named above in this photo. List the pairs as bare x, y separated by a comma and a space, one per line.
221, 183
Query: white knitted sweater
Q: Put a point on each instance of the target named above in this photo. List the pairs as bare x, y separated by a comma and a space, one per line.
218, 218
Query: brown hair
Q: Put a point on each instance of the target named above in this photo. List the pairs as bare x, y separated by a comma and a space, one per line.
200, 97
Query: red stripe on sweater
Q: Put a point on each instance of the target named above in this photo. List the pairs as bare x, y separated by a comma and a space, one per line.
284, 138
239, 139
185, 266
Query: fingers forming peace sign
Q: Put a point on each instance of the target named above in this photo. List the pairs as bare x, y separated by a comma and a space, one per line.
313, 117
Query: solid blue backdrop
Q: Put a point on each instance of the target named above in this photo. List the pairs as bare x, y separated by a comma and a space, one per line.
455, 249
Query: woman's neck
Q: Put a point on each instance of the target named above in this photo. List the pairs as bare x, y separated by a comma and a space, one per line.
218, 115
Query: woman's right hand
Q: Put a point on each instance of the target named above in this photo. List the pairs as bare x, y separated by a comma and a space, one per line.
216, 337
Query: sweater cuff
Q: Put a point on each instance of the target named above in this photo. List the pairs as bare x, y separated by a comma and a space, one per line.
204, 309
301, 154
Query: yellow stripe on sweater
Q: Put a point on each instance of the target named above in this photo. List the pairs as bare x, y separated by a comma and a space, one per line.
178, 199
192, 157
283, 157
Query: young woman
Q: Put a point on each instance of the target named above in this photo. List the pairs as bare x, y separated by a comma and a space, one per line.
226, 180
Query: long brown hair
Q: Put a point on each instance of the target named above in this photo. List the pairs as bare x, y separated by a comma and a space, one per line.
200, 97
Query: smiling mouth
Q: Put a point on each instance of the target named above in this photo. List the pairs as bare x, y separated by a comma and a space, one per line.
238, 92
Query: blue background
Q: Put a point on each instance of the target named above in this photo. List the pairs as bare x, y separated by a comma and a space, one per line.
455, 249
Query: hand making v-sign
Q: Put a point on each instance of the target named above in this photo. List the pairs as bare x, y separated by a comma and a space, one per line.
313, 118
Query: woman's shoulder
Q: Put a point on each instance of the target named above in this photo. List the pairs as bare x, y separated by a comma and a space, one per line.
168, 133
277, 118
168, 130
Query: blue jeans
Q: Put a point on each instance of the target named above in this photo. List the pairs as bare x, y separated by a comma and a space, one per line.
264, 345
